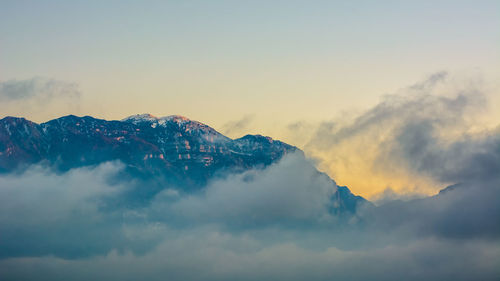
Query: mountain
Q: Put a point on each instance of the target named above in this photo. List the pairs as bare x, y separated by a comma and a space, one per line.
171, 149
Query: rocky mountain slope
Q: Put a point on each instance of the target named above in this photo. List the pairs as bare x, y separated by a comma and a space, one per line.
175, 149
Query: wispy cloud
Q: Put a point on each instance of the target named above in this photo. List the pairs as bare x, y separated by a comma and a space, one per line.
39, 96
238, 127
41, 89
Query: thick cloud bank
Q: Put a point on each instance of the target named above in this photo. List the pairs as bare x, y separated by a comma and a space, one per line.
289, 192
262, 224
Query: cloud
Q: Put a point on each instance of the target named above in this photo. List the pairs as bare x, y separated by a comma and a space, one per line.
237, 127
430, 82
275, 223
43, 213
214, 256
389, 195
421, 138
292, 190
299, 133
470, 157
270, 223
39, 88
38, 95
469, 211
38, 206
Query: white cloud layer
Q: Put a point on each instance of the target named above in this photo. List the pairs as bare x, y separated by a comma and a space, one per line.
263, 224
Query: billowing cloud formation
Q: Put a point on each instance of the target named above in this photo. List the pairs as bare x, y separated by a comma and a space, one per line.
291, 191
38, 95
262, 224
42, 213
419, 139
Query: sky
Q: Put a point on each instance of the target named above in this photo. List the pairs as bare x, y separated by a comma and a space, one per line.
398, 100
288, 69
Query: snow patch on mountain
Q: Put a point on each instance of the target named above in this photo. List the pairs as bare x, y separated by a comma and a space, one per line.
138, 118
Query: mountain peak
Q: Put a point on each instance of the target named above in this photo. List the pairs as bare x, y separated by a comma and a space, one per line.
176, 118
146, 117
257, 138
173, 146
13, 119
171, 150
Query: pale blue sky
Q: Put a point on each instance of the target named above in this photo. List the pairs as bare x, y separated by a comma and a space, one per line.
220, 60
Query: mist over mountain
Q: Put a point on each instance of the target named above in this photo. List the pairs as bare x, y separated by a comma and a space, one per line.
167, 152
146, 197
174, 146
331, 140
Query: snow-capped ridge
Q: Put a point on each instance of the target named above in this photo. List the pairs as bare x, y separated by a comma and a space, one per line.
136, 118
146, 117
179, 121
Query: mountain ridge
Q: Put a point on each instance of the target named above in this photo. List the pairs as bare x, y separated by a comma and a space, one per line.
173, 148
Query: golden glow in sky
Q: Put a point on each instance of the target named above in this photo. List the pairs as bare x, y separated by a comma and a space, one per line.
253, 67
